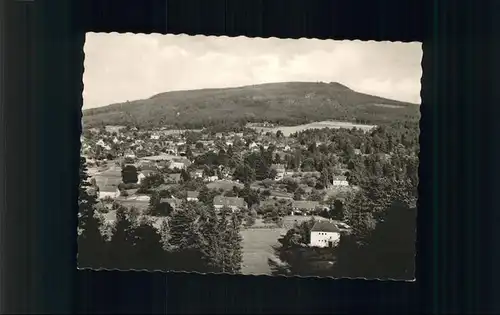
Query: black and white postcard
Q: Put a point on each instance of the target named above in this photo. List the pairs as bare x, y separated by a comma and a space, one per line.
253, 156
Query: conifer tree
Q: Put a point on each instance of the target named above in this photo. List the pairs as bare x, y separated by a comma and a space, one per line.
233, 241
122, 240
186, 240
148, 250
91, 243
211, 245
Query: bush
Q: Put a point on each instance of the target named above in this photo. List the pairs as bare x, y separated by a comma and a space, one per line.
123, 186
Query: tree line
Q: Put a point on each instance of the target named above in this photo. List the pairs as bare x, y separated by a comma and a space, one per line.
381, 244
194, 238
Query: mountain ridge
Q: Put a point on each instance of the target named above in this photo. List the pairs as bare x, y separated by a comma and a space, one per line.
281, 102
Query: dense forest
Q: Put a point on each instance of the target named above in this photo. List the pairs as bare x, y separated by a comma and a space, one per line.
382, 213
289, 103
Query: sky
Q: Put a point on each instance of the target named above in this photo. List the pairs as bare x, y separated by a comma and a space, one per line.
121, 67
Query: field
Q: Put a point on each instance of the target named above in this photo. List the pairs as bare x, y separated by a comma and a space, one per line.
257, 248
288, 130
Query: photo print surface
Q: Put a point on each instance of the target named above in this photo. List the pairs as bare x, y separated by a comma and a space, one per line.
253, 156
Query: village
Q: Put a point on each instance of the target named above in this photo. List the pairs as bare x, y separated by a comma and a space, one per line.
177, 157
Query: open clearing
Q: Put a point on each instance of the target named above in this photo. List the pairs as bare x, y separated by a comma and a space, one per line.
257, 249
288, 130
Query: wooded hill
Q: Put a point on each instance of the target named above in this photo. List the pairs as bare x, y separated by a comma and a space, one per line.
283, 103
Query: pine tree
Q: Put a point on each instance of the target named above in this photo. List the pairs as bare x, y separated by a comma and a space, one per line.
233, 241
211, 245
148, 250
186, 240
154, 204
91, 243
121, 246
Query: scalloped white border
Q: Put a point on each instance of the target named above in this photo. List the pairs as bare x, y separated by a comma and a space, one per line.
252, 275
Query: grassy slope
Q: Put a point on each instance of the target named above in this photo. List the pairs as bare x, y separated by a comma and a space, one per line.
292, 102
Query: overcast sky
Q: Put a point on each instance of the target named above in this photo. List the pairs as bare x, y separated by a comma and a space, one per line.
121, 67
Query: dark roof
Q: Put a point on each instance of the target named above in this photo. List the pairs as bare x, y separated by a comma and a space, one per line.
268, 202
229, 201
325, 226
171, 201
309, 205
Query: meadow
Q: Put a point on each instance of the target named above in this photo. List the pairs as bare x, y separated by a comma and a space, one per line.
258, 248
288, 130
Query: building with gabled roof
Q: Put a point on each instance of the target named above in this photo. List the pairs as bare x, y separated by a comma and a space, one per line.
233, 203
324, 234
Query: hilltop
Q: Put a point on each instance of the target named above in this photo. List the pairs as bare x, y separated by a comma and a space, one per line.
284, 103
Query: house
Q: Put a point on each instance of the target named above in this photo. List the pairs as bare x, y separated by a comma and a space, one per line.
192, 196
197, 174
130, 154
109, 191
143, 174
340, 181
101, 143
176, 165
212, 178
280, 171
268, 203
173, 178
233, 203
179, 163
298, 205
253, 145
324, 234
155, 137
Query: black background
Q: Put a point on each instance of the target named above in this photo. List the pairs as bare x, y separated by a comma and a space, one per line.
41, 68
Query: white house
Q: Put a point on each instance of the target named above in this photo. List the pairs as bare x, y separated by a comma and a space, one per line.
340, 181
253, 145
100, 143
197, 174
130, 154
143, 174
192, 196
324, 234
177, 165
155, 137
212, 178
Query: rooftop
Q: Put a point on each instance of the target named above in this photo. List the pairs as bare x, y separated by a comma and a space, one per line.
325, 226
229, 201
305, 204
